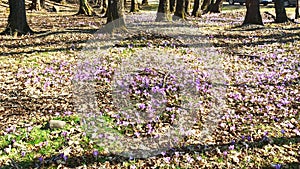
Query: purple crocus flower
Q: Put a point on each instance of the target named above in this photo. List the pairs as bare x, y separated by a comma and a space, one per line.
231, 147
65, 157
297, 132
64, 133
95, 153
142, 106
137, 134
41, 159
167, 159
243, 138
189, 159
277, 166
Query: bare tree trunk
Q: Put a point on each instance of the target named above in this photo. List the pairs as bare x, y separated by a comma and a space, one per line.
172, 5
85, 8
115, 15
145, 2
187, 7
297, 10
196, 9
280, 12
163, 12
216, 7
180, 10
17, 21
102, 5
37, 5
43, 3
206, 5
134, 6
253, 13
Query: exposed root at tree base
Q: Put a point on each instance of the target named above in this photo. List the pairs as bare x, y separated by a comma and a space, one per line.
16, 33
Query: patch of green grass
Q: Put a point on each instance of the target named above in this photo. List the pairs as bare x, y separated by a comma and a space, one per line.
4, 141
72, 118
37, 136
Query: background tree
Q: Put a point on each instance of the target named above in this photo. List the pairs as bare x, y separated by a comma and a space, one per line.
212, 6
134, 6
172, 5
145, 2
187, 7
253, 13
17, 21
102, 5
216, 7
85, 8
180, 10
196, 9
297, 10
115, 15
163, 12
280, 12
205, 6
37, 5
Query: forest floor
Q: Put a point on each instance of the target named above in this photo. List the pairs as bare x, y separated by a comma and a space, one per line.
257, 127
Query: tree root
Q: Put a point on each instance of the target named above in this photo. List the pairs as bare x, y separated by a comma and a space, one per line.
274, 17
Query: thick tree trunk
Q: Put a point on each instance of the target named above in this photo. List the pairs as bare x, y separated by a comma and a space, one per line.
163, 12
85, 8
115, 15
180, 10
172, 5
196, 9
216, 7
297, 10
17, 22
134, 6
280, 12
253, 14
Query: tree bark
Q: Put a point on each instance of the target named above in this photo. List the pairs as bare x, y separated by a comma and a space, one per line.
180, 10
297, 10
102, 5
216, 7
17, 21
85, 8
187, 7
172, 5
134, 6
163, 12
206, 5
115, 15
145, 2
37, 5
280, 12
253, 13
196, 9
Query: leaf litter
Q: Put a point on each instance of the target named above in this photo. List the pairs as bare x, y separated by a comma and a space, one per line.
260, 127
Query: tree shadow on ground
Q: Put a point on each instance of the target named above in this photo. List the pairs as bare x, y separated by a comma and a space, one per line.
90, 159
